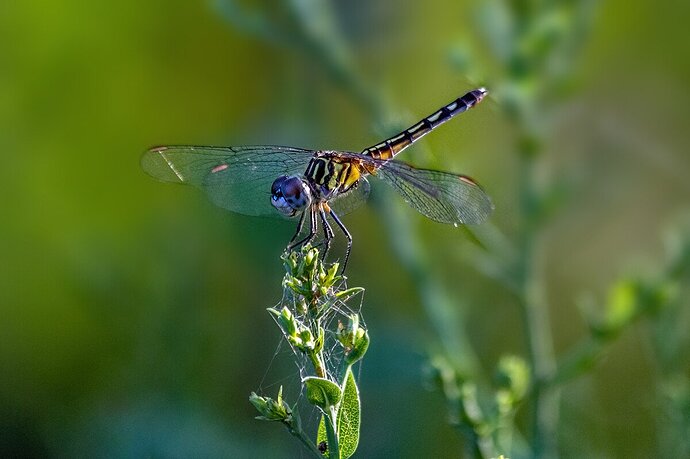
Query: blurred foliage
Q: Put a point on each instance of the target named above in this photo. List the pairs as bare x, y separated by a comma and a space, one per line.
131, 313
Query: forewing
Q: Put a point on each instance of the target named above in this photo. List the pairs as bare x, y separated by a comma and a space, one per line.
235, 178
345, 203
441, 196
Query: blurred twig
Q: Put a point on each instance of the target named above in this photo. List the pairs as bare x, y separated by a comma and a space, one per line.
534, 44
311, 30
664, 299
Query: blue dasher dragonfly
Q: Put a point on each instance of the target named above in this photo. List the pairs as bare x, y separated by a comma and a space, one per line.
317, 184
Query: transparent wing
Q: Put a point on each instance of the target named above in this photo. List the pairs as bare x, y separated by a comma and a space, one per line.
441, 196
235, 178
345, 203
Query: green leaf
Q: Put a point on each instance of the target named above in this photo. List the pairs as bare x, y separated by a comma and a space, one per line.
345, 294
321, 435
349, 417
322, 392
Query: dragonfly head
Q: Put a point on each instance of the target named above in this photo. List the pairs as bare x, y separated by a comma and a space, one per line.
290, 195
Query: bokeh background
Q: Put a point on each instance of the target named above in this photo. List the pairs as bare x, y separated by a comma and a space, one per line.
132, 313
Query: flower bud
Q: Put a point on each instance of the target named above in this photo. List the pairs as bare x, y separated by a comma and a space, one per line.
271, 410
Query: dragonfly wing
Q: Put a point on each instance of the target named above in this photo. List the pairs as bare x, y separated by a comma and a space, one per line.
441, 196
235, 178
345, 203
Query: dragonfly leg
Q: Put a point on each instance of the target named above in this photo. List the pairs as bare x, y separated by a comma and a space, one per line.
300, 225
312, 231
347, 235
327, 233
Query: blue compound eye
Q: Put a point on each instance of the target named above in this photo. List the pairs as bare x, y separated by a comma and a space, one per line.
276, 188
292, 188
290, 195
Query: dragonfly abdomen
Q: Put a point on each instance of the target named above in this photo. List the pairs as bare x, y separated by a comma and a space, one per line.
394, 145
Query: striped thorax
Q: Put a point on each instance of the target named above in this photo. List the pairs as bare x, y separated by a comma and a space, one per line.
331, 173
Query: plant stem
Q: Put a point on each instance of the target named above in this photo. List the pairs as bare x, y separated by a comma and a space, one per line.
306, 441
318, 366
536, 319
331, 433
442, 310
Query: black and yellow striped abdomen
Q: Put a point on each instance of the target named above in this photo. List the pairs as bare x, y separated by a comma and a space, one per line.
391, 147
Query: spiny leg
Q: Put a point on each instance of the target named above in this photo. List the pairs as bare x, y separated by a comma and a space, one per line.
347, 235
300, 225
312, 230
327, 233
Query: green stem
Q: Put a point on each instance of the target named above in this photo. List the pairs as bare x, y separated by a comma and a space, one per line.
482, 445
306, 441
331, 433
319, 367
536, 319
443, 312
294, 426
578, 361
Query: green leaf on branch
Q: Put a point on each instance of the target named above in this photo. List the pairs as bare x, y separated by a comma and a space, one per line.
322, 392
321, 434
346, 294
349, 417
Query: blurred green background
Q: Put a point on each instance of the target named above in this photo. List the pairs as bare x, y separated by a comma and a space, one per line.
132, 319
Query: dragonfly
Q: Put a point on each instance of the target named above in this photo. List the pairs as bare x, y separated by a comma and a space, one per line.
318, 185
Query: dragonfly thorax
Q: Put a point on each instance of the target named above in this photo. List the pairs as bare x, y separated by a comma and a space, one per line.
290, 195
